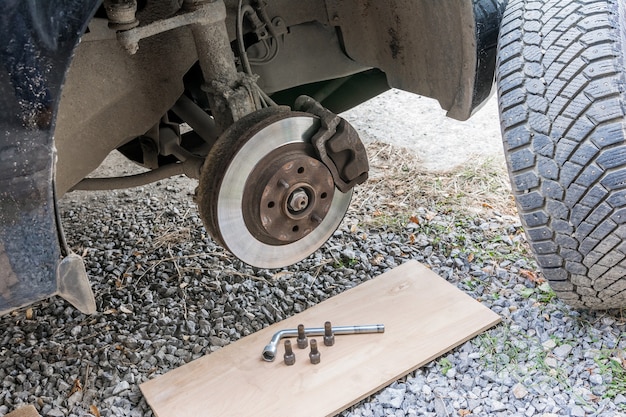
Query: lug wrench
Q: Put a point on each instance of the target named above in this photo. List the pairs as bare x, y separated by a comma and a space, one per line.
269, 352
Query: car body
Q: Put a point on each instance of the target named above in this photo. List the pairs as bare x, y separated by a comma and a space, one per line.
74, 88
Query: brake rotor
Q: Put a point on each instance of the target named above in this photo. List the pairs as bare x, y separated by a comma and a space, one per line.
264, 195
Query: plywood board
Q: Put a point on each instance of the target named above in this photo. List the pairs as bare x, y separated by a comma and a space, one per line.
424, 317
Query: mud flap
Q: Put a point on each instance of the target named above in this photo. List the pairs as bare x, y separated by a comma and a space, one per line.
37, 40
73, 284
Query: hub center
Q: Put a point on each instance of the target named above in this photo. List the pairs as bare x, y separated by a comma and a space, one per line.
289, 193
298, 200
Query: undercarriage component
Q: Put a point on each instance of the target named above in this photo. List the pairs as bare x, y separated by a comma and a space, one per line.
201, 123
283, 65
231, 94
269, 352
263, 194
190, 168
121, 14
85, 132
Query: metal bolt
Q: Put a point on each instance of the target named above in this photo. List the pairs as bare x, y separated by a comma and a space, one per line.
329, 337
283, 183
298, 200
302, 341
121, 14
289, 356
314, 355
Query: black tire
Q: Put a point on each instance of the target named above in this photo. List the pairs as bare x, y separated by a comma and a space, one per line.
561, 80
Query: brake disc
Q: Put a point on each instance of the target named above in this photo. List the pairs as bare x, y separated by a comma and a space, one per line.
264, 195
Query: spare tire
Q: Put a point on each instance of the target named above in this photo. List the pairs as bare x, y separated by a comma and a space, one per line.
561, 79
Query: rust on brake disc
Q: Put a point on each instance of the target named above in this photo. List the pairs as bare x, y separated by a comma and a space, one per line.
287, 195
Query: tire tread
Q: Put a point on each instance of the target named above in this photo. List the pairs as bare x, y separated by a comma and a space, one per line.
561, 83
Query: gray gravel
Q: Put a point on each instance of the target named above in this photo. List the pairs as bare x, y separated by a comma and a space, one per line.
167, 294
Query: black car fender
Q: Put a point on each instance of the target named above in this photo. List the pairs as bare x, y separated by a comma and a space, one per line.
37, 40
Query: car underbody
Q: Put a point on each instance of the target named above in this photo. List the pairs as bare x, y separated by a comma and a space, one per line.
242, 95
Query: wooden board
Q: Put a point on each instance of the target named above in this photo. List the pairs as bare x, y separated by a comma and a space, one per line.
424, 317
26, 411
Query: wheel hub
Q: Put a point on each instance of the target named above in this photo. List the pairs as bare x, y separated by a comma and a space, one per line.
287, 195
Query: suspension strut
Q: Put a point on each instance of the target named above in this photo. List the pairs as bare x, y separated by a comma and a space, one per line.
231, 94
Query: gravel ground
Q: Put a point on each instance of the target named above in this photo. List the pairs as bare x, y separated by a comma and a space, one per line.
166, 295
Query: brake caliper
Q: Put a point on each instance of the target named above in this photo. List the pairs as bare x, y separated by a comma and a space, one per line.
338, 146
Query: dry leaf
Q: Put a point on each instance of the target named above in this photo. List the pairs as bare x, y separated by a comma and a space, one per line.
126, 310
470, 257
94, 410
353, 228
377, 259
377, 213
487, 205
593, 398
281, 274
531, 276
414, 219
29, 314
412, 238
76, 387
463, 412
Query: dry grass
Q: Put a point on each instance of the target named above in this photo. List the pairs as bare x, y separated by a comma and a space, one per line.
397, 185
173, 237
